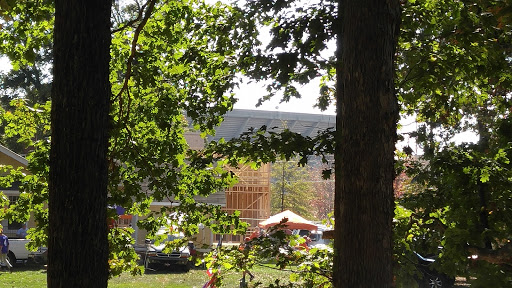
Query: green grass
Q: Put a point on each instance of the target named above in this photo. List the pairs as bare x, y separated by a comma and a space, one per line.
35, 277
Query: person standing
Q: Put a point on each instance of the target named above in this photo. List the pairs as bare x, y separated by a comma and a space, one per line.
246, 246
22, 232
4, 249
256, 233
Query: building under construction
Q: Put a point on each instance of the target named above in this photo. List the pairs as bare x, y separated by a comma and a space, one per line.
251, 195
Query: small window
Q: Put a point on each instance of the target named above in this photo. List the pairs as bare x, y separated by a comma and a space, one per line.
227, 238
14, 225
123, 222
13, 199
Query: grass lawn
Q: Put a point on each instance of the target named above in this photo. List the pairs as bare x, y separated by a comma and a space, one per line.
35, 277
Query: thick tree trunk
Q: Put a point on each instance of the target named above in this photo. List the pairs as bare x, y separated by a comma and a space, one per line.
77, 244
367, 113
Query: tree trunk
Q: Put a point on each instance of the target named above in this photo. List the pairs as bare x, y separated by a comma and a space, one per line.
483, 187
77, 244
367, 112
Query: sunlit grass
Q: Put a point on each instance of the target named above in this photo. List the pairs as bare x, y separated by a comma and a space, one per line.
35, 277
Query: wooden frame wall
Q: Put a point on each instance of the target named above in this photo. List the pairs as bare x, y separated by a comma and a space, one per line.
250, 196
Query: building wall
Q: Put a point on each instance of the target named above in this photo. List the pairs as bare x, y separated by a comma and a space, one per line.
251, 196
8, 157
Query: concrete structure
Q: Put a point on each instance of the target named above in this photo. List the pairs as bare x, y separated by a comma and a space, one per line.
238, 121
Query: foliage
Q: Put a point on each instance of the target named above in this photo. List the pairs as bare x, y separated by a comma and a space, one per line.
26, 30
122, 258
31, 126
455, 76
404, 269
448, 211
457, 56
298, 52
265, 144
453, 73
279, 250
168, 60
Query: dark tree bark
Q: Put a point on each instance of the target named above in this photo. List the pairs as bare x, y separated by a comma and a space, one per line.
483, 188
367, 112
77, 244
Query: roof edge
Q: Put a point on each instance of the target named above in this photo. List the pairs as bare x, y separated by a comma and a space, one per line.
13, 155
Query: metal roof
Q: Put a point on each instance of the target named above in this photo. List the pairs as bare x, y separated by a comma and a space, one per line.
240, 120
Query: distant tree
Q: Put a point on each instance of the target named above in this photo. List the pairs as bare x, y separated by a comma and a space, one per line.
323, 201
31, 82
29, 79
291, 189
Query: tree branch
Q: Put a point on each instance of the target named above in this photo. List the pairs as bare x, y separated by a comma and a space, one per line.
131, 22
150, 6
501, 256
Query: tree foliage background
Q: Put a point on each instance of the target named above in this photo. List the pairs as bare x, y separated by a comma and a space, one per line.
457, 78
168, 60
453, 75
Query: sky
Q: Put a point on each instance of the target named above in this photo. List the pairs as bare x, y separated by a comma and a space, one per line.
4, 64
248, 95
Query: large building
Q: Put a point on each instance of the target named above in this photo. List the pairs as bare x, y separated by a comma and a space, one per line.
241, 120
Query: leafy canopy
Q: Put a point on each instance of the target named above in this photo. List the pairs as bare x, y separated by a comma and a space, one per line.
172, 62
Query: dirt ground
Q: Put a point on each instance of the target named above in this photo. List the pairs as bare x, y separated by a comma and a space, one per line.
461, 282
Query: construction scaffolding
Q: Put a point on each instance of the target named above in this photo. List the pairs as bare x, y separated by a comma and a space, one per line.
250, 196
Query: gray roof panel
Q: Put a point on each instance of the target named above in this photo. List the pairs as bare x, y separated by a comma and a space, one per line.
241, 120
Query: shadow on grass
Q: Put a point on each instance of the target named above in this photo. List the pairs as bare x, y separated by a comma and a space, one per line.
154, 269
162, 269
26, 266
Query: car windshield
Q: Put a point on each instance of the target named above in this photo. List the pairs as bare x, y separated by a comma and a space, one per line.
315, 237
172, 237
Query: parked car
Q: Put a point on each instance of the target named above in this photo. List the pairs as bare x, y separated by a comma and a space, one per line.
152, 255
431, 277
18, 252
316, 237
